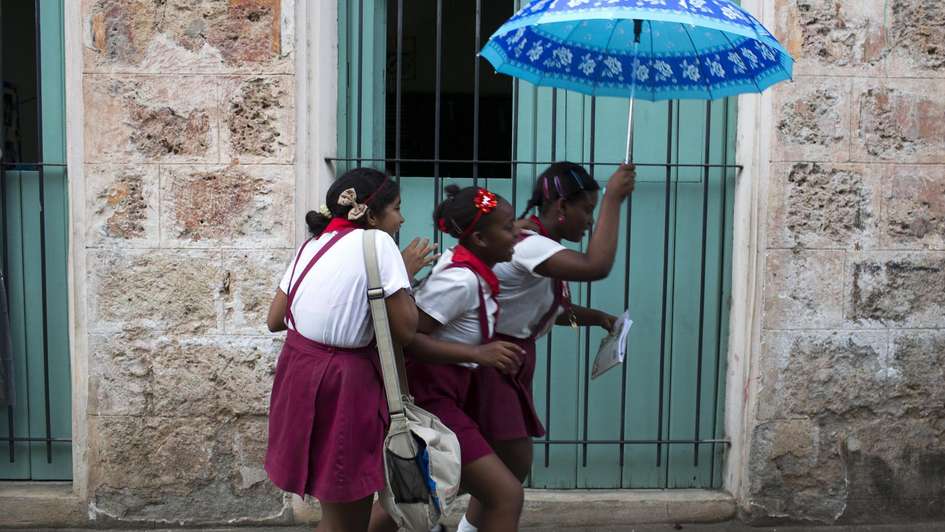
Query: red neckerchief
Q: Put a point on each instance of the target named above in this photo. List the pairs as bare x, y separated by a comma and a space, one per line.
464, 257
541, 227
340, 223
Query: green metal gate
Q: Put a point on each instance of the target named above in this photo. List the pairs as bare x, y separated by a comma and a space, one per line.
36, 430
657, 421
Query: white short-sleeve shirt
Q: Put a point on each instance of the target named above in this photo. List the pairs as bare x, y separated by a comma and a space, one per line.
331, 305
524, 295
451, 297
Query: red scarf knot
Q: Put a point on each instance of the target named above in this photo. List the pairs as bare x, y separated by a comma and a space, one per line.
464, 257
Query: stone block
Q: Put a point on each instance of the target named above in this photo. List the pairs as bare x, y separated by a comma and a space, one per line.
914, 207
120, 373
812, 373
173, 291
833, 37
187, 36
795, 471
803, 289
182, 470
900, 120
895, 469
252, 278
122, 205
812, 120
258, 119
134, 373
232, 206
212, 376
170, 119
917, 374
815, 205
895, 289
916, 38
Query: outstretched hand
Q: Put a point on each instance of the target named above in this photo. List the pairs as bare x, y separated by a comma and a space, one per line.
419, 254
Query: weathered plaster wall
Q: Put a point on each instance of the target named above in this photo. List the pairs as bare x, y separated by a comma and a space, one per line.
848, 422
189, 186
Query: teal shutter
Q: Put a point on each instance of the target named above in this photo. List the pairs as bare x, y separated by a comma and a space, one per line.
667, 391
35, 211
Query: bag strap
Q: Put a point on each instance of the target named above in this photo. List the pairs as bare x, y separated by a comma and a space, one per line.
382, 335
290, 296
483, 313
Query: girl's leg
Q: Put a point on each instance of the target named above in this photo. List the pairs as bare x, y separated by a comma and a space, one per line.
345, 516
380, 520
517, 457
498, 492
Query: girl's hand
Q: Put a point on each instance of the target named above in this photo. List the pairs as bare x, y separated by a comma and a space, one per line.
622, 182
606, 321
526, 224
503, 356
418, 254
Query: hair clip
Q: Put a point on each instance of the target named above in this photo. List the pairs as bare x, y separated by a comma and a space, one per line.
485, 201
561, 193
349, 198
577, 180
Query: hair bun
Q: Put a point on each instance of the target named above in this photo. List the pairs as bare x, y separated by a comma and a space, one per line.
316, 222
452, 191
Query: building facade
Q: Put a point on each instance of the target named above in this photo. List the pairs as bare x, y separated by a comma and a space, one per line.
804, 384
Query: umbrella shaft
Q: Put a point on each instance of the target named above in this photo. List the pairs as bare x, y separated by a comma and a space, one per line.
629, 153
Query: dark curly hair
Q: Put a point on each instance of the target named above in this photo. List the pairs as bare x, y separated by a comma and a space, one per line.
369, 184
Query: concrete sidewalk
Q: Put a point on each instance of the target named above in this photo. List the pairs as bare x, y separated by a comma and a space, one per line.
730, 526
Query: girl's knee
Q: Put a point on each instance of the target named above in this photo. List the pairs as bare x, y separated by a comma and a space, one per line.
508, 496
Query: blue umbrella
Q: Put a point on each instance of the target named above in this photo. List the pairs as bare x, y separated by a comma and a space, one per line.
649, 49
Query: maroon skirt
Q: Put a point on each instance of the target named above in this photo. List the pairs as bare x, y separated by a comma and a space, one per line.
327, 421
505, 406
444, 390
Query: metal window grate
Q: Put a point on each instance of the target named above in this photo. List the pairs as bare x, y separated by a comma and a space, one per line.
713, 176
37, 426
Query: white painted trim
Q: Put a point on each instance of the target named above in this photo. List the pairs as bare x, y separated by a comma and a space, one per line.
316, 89
755, 123
78, 328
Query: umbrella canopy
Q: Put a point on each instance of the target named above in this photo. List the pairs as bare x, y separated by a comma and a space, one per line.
649, 49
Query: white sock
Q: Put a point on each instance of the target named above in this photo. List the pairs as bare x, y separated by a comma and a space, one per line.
465, 526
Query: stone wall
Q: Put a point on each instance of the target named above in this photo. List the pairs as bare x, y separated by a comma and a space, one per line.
850, 417
189, 134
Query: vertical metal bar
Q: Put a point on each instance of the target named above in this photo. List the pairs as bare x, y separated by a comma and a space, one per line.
705, 221
554, 124
587, 378
476, 95
587, 330
11, 423
42, 229
12, 431
673, 298
398, 89
721, 283
514, 157
437, 182
669, 157
360, 27
626, 304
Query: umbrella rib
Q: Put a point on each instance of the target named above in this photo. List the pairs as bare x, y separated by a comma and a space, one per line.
695, 50
732, 46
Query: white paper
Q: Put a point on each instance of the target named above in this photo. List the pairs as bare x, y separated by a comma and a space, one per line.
613, 347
